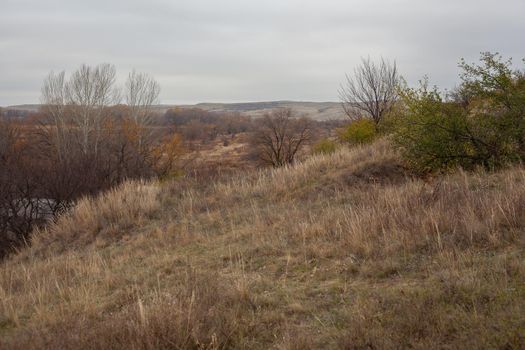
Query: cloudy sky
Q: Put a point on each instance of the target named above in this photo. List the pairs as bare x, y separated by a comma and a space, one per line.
249, 50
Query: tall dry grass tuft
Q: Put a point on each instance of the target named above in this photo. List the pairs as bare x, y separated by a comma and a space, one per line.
460, 211
107, 217
205, 314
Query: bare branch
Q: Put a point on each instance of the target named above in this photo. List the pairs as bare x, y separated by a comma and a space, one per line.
280, 136
372, 90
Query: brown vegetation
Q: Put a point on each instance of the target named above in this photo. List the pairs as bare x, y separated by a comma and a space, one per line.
81, 144
279, 136
200, 126
332, 252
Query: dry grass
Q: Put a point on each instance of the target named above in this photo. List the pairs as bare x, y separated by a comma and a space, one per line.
340, 251
107, 218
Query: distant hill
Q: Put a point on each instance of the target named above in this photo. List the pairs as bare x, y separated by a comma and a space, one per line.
25, 108
315, 110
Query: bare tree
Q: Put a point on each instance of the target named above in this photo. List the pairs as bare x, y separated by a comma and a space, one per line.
89, 92
79, 106
141, 93
371, 91
81, 144
280, 136
54, 107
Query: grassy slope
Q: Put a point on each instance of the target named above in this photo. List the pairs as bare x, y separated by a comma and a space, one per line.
340, 251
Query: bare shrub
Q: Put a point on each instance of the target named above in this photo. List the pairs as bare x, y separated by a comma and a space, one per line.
200, 316
280, 136
370, 91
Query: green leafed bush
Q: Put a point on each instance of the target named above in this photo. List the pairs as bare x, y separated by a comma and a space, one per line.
325, 146
359, 132
481, 124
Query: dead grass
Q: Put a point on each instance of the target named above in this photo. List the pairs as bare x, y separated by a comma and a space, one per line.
109, 217
340, 251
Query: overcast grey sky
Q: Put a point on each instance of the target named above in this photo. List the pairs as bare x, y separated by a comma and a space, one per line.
249, 50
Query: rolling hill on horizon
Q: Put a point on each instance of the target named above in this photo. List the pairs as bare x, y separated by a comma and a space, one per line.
315, 110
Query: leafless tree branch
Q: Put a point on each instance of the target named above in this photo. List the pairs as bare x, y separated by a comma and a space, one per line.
372, 90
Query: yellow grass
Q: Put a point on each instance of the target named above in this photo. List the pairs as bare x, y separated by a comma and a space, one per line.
340, 251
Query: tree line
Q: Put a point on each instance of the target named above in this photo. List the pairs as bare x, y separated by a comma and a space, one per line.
91, 134
84, 141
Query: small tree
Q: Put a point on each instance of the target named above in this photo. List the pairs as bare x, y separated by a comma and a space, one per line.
141, 93
89, 91
371, 91
280, 137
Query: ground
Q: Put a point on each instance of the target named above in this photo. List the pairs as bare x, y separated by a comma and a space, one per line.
348, 250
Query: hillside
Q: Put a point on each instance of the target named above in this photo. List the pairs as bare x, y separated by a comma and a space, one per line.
340, 251
315, 110
24, 108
